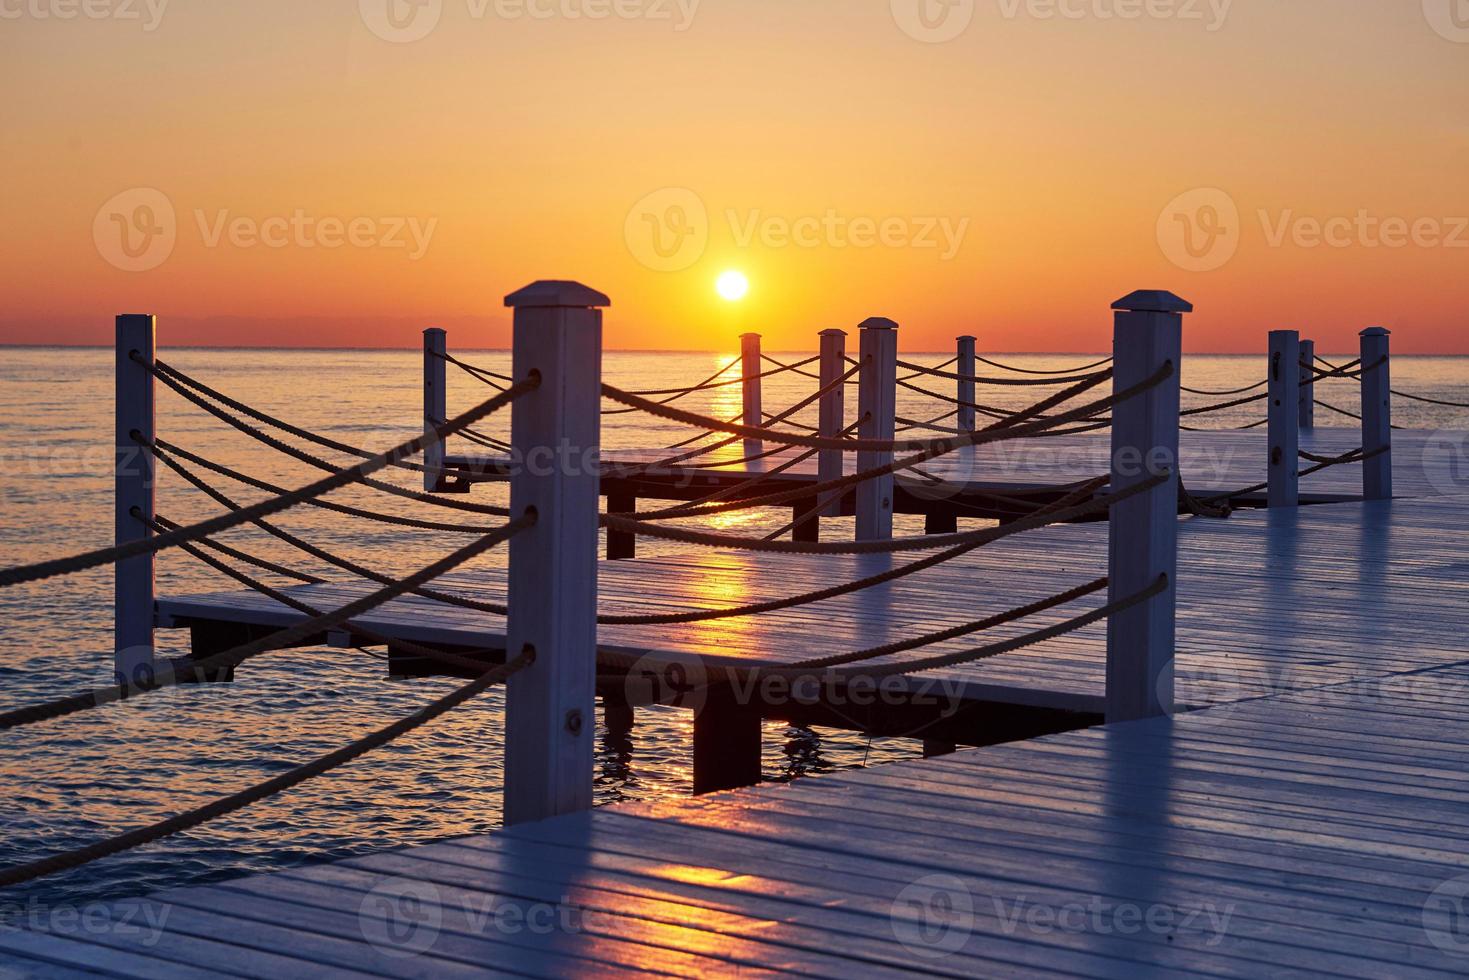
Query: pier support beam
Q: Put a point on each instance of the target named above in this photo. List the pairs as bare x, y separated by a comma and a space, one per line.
553, 564
133, 482
726, 743
750, 387
1307, 412
621, 545
1284, 407
1376, 414
435, 405
833, 409
965, 393
1143, 540
876, 408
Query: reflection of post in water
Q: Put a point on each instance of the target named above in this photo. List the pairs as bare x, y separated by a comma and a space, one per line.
802, 754
615, 750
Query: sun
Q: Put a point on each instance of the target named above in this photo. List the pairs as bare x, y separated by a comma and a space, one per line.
732, 285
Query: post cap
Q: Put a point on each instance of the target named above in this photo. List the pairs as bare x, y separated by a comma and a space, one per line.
967, 336
751, 334
1153, 301
432, 330
1375, 332
833, 332
556, 292
877, 323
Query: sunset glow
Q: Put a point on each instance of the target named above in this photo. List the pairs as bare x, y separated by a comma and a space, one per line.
732, 285
286, 173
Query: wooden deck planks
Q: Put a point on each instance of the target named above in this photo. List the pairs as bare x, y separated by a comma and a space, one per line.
1248, 856
1269, 602
1425, 463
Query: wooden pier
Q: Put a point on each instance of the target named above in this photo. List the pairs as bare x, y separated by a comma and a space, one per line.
1310, 821
1239, 751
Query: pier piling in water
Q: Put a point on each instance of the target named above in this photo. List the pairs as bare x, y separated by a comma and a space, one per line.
965, 393
133, 485
1376, 414
1284, 411
435, 405
750, 363
876, 409
1306, 414
553, 564
1143, 539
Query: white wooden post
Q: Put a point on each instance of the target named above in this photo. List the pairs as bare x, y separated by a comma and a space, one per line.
1284, 474
1307, 411
1143, 540
555, 430
876, 394
750, 370
965, 365
435, 405
1376, 414
133, 491
833, 408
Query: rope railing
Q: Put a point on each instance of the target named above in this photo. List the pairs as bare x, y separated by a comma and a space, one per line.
991, 434
732, 673
193, 670
345, 477
1007, 429
169, 379
159, 368
116, 844
159, 446
1225, 392
674, 394
809, 400
1430, 401
1021, 370
884, 546
1322, 462
976, 379
490, 378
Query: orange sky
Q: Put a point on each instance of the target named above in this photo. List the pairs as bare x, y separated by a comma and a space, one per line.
333, 183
